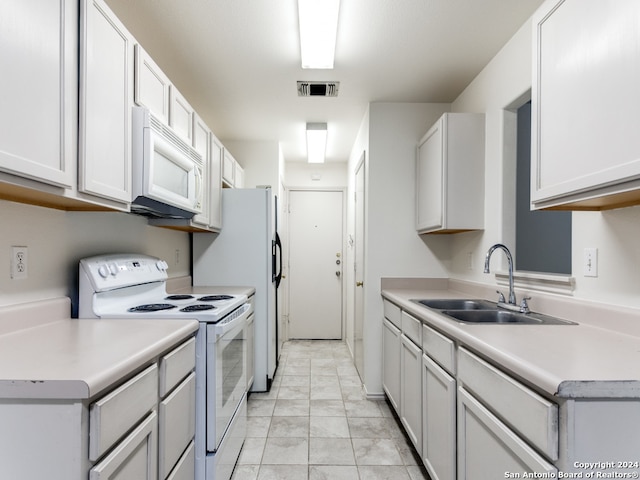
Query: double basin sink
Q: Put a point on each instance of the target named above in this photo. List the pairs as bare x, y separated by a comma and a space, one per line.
486, 312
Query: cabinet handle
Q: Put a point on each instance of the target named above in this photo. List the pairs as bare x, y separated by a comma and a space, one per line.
359, 284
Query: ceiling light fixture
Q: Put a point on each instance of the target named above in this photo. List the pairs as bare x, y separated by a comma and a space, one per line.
316, 142
318, 21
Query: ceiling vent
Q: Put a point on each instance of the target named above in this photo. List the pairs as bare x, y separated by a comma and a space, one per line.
318, 89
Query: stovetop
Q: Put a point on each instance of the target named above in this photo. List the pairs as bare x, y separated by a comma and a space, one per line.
134, 286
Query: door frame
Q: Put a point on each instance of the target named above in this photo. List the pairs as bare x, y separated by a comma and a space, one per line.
285, 252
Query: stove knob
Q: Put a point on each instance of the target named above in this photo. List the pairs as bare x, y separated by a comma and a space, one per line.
113, 269
161, 265
103, 271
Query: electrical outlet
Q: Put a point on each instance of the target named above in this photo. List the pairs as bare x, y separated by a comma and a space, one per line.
19, 262
469, 260
590, 262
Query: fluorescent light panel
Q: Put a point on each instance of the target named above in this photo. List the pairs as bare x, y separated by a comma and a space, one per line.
318, 21
316, 142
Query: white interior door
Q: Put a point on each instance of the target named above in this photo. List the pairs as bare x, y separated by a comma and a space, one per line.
315, 264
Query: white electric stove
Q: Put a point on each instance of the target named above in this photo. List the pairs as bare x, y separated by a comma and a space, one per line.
134, 286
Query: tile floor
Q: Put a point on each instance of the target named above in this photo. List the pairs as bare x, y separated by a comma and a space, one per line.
316, 423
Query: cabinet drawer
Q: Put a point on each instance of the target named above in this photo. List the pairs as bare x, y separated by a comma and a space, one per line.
176, 365
116, 413
534, 417
411, 327
186, 466
439, 348
134, 458
487, 448
177, 424
392, 313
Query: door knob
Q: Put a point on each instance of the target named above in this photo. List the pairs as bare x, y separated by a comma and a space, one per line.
359, 284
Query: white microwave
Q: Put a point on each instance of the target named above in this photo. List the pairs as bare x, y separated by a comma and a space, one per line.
167, 171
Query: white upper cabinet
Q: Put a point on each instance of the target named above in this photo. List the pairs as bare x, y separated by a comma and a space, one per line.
106, 98
215, 184
450, 175
39, 64
151, 86
585, 97
238, 176
202, 144
181, 114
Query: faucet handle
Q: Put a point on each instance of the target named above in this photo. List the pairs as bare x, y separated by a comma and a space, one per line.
524, 306
501, 298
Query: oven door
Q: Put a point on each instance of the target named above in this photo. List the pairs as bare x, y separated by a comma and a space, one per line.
226, 373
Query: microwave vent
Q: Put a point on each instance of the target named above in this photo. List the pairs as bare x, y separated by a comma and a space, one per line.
318, 89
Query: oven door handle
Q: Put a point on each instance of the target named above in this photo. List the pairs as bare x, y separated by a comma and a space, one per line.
235, 319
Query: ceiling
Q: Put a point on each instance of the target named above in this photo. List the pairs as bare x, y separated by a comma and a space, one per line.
237, 61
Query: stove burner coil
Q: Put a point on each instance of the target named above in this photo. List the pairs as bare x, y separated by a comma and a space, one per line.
152, 307
213, 298
179, 297
197, 308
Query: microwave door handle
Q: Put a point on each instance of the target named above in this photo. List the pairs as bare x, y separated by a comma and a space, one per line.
198, 187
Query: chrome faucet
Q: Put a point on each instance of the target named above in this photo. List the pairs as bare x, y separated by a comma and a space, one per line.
511, 304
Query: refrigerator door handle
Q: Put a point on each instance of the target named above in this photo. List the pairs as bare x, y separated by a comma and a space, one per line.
277, 252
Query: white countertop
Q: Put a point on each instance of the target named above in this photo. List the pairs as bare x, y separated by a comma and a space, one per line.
79, 358
571, 361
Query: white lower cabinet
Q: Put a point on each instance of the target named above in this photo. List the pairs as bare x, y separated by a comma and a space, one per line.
133, 431
411, 390
438, 421
470, 419
487, 448
391, 362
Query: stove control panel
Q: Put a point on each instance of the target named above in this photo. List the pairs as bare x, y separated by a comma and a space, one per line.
108, 272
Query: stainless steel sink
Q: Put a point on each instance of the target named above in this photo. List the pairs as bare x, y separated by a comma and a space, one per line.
504, 317
476, 311
457, 304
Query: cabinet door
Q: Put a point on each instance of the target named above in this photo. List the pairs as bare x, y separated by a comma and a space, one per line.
391, 363
438, 421
202, 144
177, 424
228, 168
180, 115
238, 176
134, 458
429, 177
487, 448
39, 65
106, 97
151, 86
586, 71
411, 390
215, 184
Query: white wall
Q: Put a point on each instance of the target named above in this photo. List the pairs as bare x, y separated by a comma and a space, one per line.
260, 160
392, 246
501, 87
57, 240
307, 175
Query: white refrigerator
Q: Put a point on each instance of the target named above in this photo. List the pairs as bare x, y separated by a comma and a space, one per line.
247, 252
